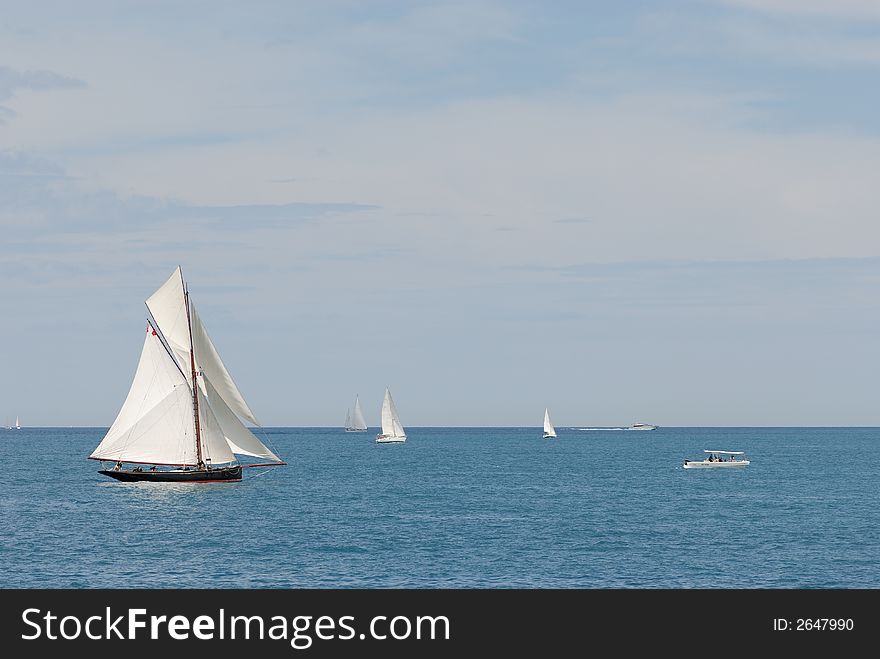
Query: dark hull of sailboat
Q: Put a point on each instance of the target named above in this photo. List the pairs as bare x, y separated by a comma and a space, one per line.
225, 475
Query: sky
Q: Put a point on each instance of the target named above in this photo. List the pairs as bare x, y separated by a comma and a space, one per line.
626, 212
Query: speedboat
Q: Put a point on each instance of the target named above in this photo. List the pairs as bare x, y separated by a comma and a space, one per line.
719, 459
642, 426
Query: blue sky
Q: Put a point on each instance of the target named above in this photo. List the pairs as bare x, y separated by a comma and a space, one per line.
656, 212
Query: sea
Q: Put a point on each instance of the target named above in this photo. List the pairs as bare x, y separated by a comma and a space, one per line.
456, 508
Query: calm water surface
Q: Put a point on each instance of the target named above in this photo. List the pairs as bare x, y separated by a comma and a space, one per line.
456, 507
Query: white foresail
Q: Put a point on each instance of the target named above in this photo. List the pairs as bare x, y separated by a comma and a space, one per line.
239, 439
358, 422
347, 419
155, 424
215, 448
398, 429
548, 427
390, 421
208, 360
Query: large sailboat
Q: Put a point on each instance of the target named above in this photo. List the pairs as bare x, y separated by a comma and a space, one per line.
355, 422
183, 415
392, 430
549, 430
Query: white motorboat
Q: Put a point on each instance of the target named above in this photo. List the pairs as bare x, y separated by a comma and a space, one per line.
642, 426
719, 460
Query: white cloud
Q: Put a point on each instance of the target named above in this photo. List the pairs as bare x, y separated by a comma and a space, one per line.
849, 9
12, 81
818, 33
816, 45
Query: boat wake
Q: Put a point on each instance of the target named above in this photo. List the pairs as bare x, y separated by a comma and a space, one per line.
594, 429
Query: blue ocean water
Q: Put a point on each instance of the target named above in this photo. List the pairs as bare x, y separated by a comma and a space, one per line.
456, 507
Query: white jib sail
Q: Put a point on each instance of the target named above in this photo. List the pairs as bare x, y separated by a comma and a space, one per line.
238, 438
208, 360
548, 427
155, 424
358, 422
347, 419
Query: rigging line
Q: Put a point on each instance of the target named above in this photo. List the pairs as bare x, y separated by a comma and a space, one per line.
162, 340
261, 473
270, 444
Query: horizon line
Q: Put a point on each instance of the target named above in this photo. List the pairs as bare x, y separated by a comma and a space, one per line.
558, 427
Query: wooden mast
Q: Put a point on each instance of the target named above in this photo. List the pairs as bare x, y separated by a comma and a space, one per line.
200, 464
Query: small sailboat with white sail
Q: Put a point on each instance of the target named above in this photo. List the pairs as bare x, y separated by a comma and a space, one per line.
183, 415
355, 422
549, 430
392, 430
17, 424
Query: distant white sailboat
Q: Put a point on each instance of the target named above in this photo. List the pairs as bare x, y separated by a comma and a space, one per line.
549, 430
355, 422
392, 430
17, 424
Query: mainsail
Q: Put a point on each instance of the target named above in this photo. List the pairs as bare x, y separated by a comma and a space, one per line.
158, 423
